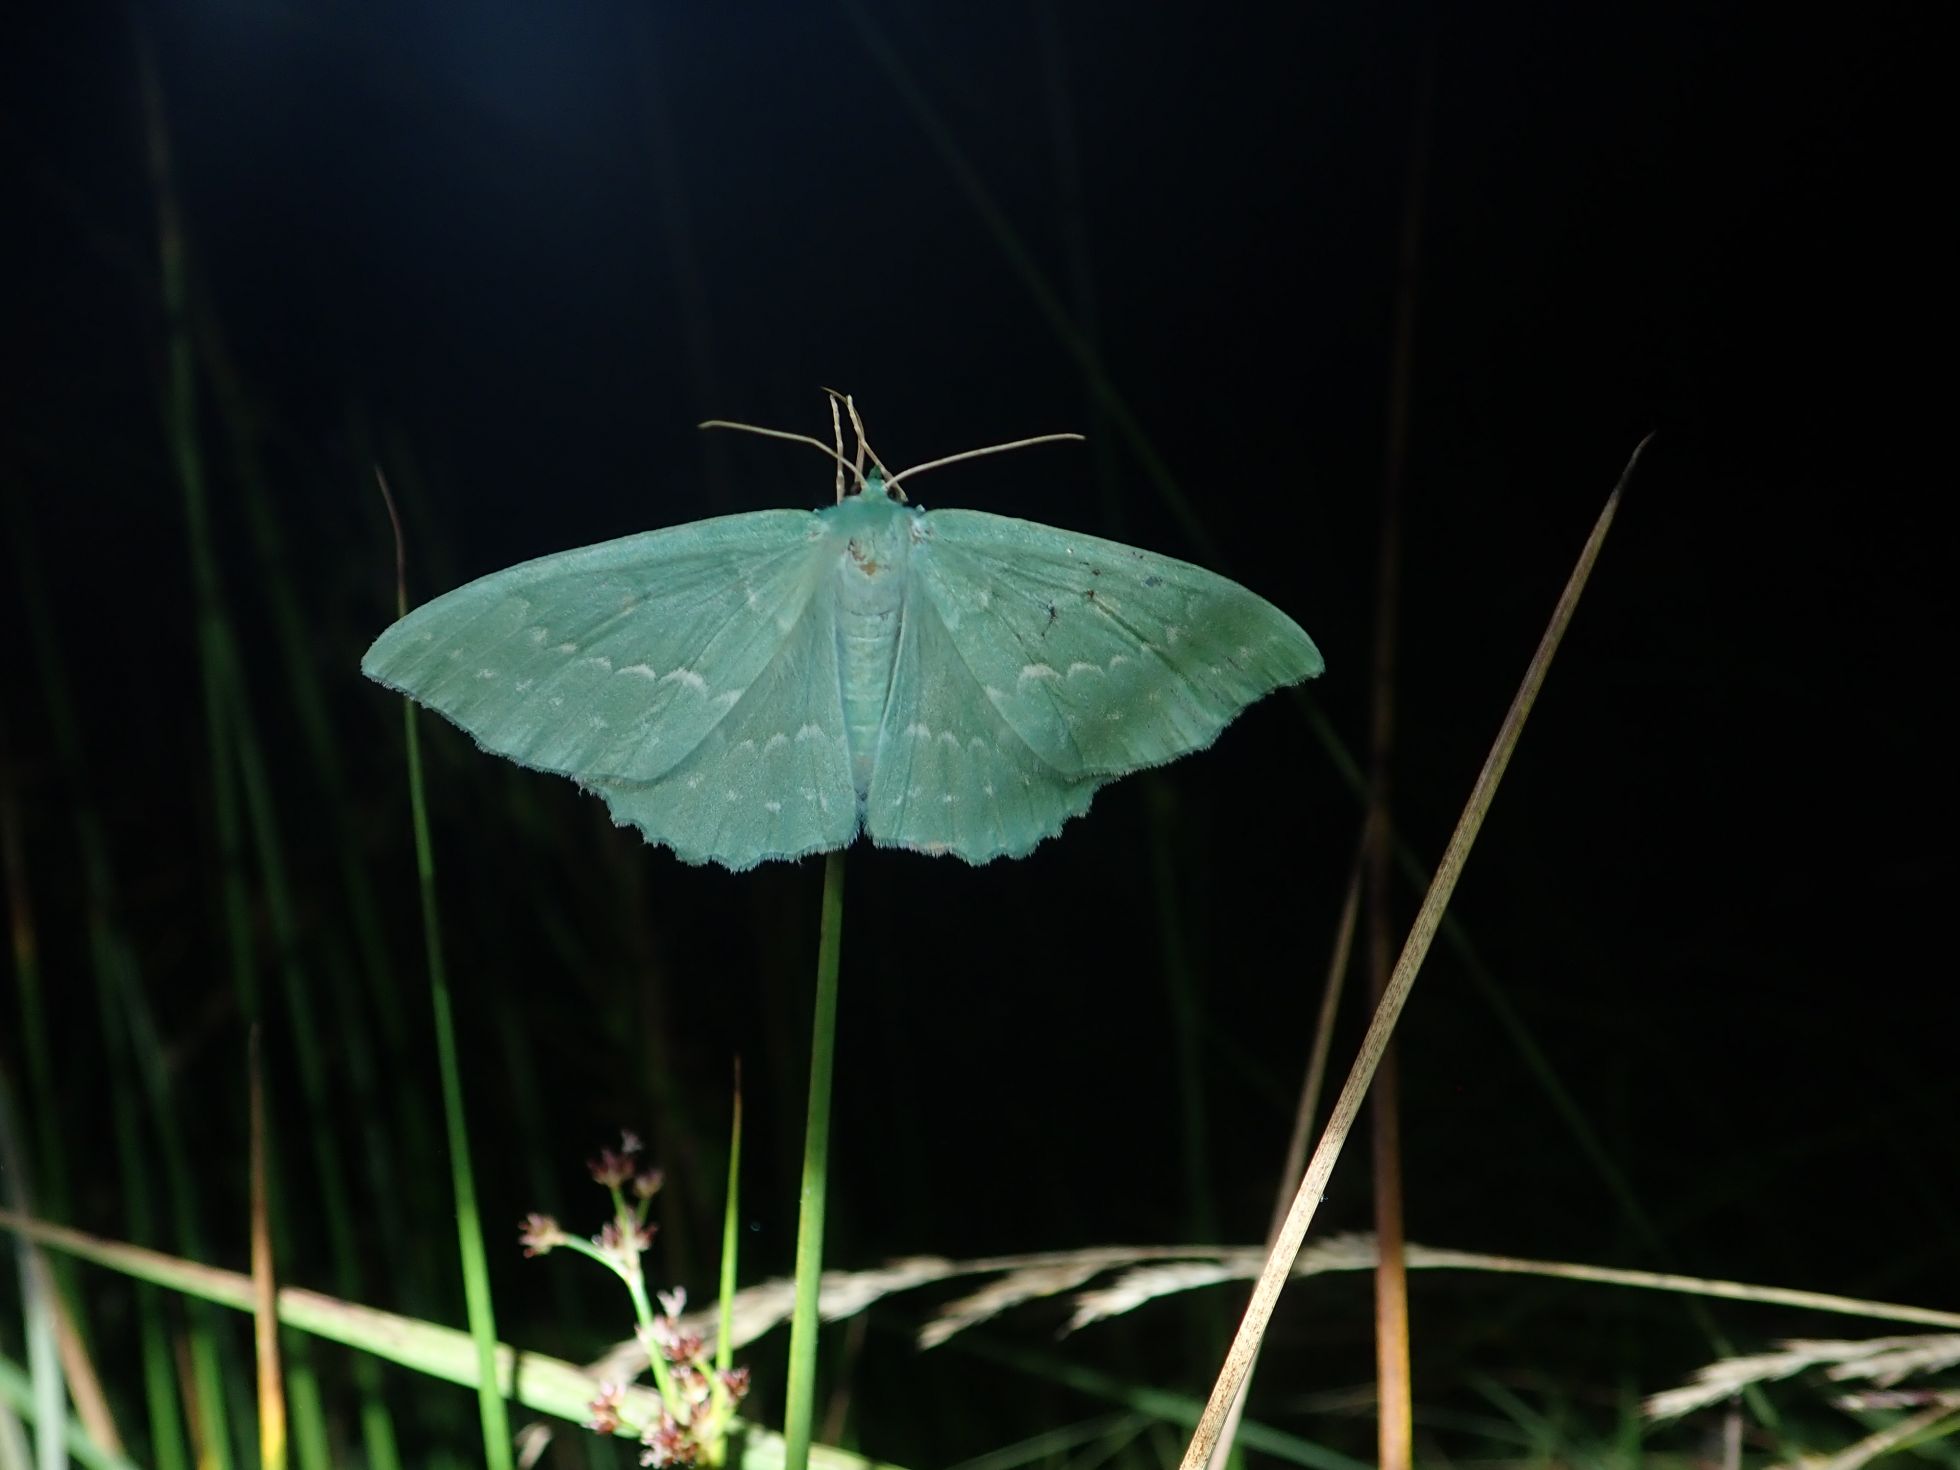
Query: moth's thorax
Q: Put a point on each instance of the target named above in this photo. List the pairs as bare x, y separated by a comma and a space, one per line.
875, 535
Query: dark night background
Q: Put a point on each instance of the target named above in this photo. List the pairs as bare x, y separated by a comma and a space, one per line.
515, 253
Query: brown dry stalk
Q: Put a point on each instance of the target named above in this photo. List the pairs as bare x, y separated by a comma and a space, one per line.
265, 1287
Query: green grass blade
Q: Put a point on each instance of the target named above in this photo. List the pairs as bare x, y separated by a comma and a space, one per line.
14, 1453
469, 1229
167, 1450
17, 1393
48, 1385
306, 1407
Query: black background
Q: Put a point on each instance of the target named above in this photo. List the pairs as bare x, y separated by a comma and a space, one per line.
517, 252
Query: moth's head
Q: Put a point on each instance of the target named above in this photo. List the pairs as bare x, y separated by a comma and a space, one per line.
877, 487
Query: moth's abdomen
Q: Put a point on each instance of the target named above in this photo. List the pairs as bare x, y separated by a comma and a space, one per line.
870, 589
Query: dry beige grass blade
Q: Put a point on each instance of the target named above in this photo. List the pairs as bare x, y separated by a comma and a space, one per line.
1729, 1376
1883, 1360
1011, 1290
1147, 1283
1895, 1359
846, 1293
756, 1309
1356, 1252
1869, 1400
1881, 1442
1307, 1105
1415, 949
1149, 1272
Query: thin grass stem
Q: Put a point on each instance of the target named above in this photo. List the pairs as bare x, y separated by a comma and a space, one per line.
816, 1157
469, 1231
731, 1236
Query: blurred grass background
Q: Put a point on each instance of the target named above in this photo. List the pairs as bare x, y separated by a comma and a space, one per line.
512, 257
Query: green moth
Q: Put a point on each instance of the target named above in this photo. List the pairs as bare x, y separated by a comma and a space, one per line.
769, 685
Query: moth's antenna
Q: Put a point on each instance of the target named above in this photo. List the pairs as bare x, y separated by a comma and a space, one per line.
837, 434
864, 444
857, 428
933, 464
843, 463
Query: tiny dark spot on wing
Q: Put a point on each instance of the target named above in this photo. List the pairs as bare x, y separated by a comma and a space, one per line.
1153, 581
